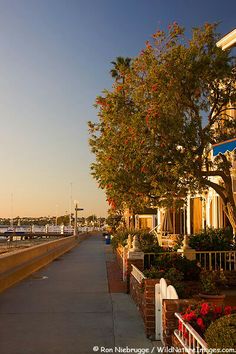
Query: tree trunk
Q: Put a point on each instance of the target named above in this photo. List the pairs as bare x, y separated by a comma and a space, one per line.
226, 193
231, 214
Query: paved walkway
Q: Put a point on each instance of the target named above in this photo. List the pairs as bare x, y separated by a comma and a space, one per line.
66, 308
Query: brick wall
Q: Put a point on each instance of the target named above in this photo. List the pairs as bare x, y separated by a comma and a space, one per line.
138, 263
137, 294
144, 297
149, 300
169, 321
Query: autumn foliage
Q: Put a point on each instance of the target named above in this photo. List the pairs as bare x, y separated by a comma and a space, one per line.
156, 125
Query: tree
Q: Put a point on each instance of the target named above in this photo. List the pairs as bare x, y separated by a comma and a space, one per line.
91, 218
114, 219
63, 219
153, 139
120, 67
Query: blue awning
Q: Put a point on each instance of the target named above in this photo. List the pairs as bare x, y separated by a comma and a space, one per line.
228, 145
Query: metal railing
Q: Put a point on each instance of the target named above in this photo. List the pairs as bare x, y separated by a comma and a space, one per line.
191, 341
216, 260
137, 274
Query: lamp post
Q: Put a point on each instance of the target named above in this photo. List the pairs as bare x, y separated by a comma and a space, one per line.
76, 227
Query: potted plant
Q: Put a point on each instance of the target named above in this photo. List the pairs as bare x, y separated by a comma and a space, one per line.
210, 281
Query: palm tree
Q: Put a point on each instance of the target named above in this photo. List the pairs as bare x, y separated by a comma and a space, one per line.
120, 67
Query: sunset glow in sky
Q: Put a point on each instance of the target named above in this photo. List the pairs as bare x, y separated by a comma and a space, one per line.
54, 59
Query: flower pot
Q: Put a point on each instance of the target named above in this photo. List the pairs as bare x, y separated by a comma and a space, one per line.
214, 299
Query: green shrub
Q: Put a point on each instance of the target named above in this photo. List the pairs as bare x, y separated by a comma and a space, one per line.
120, 238
221, 334
212, 240
148, 242
176, 269
190, 269
154, 273
174, 275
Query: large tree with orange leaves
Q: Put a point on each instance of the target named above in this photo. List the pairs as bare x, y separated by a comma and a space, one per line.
156, 125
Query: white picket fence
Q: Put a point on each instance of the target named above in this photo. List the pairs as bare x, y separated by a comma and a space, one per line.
162, 291
189, 338
137, 274
191, 341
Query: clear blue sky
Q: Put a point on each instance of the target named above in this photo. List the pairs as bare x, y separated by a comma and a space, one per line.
54, 59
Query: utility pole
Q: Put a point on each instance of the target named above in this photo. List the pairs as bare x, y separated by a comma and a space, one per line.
75, 226
56, 214
12, 222
70, 206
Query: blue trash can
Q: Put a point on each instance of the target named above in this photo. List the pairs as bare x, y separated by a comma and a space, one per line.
108, 239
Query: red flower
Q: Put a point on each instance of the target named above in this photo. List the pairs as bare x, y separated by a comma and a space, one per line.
218, 310
205, 309
180, 328
200, 323
228, 310
143, 169
183, 330
101, 101
119, 88
200, 316
154, 87
148, 44
190, 316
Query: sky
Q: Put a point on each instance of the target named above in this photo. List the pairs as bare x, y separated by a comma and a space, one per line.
55, 58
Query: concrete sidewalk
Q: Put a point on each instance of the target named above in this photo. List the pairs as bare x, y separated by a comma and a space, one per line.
66, 309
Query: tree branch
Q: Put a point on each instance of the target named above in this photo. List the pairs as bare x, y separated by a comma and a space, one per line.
212, 174
219, 189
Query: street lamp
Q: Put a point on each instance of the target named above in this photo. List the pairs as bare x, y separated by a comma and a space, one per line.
76, 227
